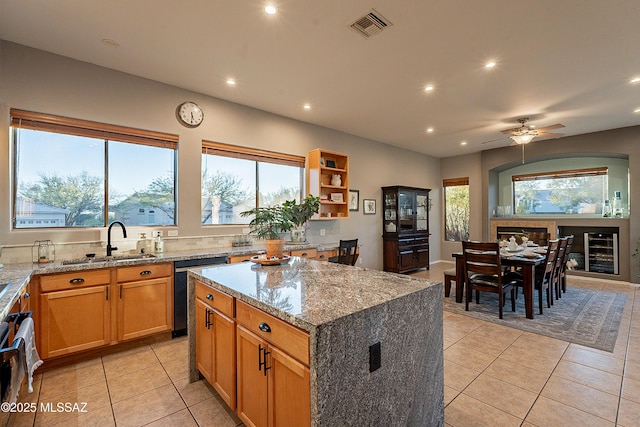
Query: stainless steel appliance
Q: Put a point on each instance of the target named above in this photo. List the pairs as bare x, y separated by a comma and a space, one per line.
180, 290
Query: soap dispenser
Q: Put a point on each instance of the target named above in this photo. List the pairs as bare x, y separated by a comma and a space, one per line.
144, 245
159, 244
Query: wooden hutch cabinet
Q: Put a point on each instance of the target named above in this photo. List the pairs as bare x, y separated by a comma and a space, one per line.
405, 229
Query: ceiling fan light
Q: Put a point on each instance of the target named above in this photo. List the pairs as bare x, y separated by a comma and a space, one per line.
523, 138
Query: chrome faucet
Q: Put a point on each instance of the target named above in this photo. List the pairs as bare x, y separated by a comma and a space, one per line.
124, 233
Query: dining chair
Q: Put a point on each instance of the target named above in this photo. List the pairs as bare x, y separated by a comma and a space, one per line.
539, 238
544, 275
346, 253
557, 270
483, 273
563, 273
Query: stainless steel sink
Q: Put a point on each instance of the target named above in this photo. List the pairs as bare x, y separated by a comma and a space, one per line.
93, 260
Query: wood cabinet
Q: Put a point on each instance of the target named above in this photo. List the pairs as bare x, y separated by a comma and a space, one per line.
273, 370
405, 228
325, 255
74, 312
145, 300
322, 166
87, 309
216, 341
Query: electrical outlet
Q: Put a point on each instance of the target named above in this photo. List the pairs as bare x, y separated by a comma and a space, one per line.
375, 357
322, 231
158, 233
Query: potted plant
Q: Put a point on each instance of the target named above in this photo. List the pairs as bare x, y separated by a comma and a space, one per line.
299, 214
267, 224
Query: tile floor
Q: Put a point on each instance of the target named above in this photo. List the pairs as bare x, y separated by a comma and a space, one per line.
491, 379
146, 386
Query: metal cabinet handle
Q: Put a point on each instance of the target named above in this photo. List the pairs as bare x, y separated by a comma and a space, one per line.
264, 327
107, 289
262, 359
207, 319
209, 297
145, 272
76, 281
304, 254
26, 295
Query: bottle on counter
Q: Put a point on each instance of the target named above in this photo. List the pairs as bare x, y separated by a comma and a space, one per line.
159, 243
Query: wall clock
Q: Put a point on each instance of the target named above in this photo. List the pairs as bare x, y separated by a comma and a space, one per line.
189, 114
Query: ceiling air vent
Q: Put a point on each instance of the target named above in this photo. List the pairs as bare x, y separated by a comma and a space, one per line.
371, 24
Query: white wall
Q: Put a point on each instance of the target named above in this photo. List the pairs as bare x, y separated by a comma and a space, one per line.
43, 82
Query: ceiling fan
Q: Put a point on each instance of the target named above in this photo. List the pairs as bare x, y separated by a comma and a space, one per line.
523, 134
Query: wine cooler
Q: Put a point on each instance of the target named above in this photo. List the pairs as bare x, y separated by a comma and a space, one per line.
601, 252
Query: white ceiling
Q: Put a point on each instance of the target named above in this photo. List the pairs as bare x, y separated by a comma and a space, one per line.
558, 61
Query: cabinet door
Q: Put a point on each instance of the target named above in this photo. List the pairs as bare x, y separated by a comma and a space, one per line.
224, 357
204, 343
74, 320
422, 257
406, 260
289, 391
422, 212
252, 381
144, 308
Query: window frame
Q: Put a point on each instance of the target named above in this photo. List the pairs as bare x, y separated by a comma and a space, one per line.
453, 182
23, 119
259, 156
539, 176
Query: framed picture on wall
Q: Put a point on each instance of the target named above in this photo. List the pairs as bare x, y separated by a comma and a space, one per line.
369, 206
354, 200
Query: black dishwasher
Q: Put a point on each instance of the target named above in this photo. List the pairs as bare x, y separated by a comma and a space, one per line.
180, 290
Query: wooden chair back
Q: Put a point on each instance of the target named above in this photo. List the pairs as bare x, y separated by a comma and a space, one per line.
539, 238
346, 252
546, 275
481, 258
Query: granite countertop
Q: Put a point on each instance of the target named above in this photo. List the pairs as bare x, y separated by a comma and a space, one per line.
17, 275
308, 293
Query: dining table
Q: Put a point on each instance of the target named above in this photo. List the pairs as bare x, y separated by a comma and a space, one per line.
511, 259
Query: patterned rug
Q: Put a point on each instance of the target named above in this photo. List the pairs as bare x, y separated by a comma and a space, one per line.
582, 316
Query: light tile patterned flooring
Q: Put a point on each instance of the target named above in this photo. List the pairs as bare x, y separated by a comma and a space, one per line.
145, 386
494, 376
499, 376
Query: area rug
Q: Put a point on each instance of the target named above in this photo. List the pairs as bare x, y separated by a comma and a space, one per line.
582, 316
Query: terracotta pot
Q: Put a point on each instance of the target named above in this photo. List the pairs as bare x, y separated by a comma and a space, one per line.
275, 247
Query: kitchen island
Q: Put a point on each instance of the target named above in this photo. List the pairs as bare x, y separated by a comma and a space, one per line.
374, 338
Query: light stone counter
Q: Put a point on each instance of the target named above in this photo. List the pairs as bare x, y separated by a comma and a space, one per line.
345, 310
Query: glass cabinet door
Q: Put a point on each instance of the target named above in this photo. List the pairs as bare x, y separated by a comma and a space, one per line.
406, 207
390, 213
422, 212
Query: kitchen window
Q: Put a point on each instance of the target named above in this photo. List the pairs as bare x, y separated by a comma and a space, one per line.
456, 209
236, 179
76, 173
580, 191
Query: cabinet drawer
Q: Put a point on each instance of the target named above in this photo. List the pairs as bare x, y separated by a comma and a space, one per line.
288, 338
325, 255
143, 272
75, 279
214, 298
305, 253
240, 258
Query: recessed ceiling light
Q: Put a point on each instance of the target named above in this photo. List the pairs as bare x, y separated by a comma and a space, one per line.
637, 110
428, 88
306, 107
635, 80
463, 143
429, 130
490, 64
111, 43
231, 82
271, 10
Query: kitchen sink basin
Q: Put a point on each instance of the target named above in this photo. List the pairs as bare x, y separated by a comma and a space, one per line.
115, 258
